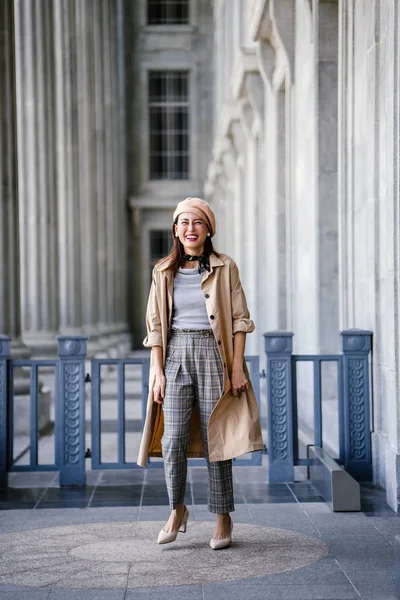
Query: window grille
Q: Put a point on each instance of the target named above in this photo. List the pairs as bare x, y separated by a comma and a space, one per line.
169, 124
167, 12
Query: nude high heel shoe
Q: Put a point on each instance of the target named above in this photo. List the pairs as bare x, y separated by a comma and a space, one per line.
167, 537
224, 543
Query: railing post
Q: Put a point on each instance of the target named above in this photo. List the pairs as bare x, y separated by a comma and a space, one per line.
70, 415
5, 350
355, 407
278, 348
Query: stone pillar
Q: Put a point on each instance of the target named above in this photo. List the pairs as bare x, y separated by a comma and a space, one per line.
10, 314
84, 24
34, 69
118, 172
99, 215
255, 92
327, 126
120, 130
108, 164
238, 140
249, 221
67, 169
266, 63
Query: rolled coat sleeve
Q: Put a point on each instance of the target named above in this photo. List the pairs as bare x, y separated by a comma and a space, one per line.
153, 319
240, 312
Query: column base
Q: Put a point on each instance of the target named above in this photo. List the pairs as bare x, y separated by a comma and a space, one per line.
115, 341
42, 344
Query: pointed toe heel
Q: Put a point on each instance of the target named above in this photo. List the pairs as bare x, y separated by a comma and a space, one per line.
165, 537
224, 543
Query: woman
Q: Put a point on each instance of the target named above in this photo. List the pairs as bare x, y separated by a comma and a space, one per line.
201, 402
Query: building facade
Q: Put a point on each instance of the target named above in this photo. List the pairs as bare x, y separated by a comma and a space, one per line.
305, 180
169, 73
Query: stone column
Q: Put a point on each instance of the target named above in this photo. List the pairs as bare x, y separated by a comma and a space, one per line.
239, 141
68, 167
249, 221
122, 175
327, 127
108, 163
10, 314
37, 215
85, 24
118, 171
99, 157
255, 92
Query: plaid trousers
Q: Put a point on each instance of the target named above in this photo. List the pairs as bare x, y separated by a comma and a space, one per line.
194, 373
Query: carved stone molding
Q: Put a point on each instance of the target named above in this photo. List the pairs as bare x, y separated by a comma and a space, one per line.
266, 56
255, 91
274, 23
260, 22
283, 17
222, 145
247, 117
246, 63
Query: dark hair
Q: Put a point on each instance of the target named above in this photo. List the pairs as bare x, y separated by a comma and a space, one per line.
177, 251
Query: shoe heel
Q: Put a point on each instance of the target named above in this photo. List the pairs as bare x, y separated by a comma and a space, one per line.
183, 527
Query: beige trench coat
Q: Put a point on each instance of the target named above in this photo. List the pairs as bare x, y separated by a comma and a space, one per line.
234, 425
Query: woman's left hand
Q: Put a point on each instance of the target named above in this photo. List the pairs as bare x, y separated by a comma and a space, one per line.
239, 381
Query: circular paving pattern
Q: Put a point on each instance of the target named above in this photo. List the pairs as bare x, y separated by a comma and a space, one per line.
116, 555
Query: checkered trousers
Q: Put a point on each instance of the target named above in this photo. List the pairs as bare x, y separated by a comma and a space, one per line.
194, 373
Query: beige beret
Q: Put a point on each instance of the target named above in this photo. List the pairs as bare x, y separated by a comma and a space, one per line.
199, 207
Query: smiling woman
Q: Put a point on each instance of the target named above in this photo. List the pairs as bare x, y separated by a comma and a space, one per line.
201, 402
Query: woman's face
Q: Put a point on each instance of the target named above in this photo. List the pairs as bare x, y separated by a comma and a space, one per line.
192, 233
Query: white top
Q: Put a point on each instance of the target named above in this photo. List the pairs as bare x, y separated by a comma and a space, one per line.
189, 307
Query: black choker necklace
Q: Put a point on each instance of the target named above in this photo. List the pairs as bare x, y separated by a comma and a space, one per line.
203, 261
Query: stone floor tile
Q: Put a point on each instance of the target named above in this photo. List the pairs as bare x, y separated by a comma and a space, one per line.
379, 591
388, 527
259, 590
25, 595
87, 594
316, 507
52, 517
367, 547
149, 513
326, 571
342, 524
106, 514
372, 570
187, 592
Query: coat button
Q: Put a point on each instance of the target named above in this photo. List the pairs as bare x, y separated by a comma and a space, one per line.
219, 342
225, 365
207, 295
212, 317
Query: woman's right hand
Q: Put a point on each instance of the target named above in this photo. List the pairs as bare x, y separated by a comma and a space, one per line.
159, 388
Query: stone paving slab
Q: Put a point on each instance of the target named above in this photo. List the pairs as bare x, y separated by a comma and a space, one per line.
259, 590
194, 592
87, 594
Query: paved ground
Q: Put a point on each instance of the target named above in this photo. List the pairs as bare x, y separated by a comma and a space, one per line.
99, 542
